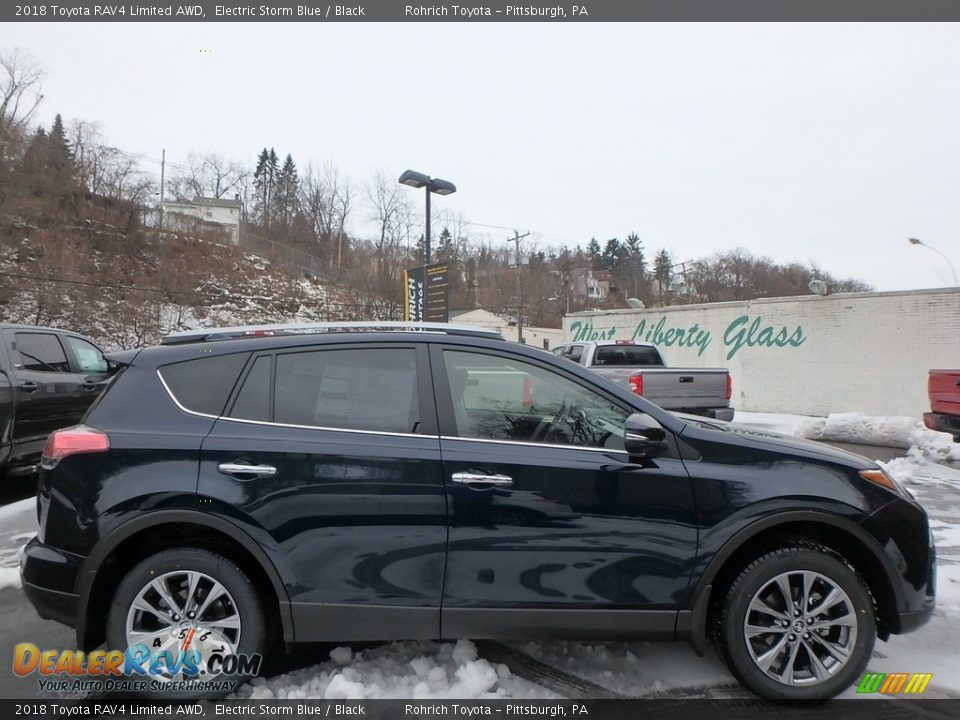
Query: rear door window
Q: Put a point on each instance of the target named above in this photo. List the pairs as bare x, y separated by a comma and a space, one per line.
203, 385
41, 352
372, 389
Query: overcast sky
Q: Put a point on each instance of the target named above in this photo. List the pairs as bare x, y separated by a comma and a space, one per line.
805, 142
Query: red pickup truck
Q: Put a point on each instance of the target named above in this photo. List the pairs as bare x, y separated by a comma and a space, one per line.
943, 387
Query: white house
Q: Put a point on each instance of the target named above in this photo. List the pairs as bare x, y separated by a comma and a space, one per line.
184, 214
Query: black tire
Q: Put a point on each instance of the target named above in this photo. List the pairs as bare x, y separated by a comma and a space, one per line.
738, 652
252, 634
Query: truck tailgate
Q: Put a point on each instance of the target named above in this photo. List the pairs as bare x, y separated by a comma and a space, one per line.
686, 387
944, 389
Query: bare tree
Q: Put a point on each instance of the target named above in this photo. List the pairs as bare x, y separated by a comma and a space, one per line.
326, 203
208, 175
20, 93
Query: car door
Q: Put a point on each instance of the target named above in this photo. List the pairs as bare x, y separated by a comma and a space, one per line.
554, 530
332, 454
46, 390
91, 370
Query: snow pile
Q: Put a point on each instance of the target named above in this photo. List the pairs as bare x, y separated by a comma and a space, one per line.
895, 431
10, 577
922, 465
421, 670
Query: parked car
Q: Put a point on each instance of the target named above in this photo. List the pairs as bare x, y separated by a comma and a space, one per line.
640, 368
301, 484
48, 379
943, 388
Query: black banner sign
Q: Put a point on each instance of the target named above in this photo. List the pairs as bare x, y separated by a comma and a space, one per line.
426, 293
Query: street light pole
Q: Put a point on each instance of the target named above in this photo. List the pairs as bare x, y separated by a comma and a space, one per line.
953, 270
426, 239
412, 178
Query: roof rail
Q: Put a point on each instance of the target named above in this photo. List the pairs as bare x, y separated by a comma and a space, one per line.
249, 331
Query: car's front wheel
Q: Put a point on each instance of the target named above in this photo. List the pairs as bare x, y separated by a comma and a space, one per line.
180, 614
797, 624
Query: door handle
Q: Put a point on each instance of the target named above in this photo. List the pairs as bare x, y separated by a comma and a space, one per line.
29, 386
469, 478
255, 470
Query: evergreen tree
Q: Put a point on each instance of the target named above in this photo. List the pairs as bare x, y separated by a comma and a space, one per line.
662, 271
445, 250
637, 263
287, 191
264, 180
48, 166
614, 256
420, 250
593, 254
60, 161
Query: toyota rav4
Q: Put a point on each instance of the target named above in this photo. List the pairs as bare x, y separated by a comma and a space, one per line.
254, 487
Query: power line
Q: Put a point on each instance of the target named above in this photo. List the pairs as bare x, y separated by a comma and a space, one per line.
87, 283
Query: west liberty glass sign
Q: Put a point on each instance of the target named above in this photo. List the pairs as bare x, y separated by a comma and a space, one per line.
742, 332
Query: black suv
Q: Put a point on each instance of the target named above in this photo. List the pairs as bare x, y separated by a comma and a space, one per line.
286, 484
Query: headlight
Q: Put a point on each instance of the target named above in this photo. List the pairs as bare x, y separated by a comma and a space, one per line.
879, 477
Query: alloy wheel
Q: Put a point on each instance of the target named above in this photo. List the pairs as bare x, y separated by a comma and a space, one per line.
800, 628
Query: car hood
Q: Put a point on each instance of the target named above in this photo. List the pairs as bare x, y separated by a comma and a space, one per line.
781, 443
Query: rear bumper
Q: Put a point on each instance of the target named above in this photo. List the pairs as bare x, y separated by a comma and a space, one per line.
49, 577
52, 604
725, 414
943, 423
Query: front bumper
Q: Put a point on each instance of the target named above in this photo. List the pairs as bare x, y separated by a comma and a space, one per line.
941, 422
903, 532
49, 577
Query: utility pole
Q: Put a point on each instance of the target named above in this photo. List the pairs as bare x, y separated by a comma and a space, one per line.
163, 167
517, 237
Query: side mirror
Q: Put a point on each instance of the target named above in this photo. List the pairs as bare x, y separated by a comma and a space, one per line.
643, 436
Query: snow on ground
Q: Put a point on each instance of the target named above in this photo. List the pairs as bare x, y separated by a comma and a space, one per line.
418, 670
17, 525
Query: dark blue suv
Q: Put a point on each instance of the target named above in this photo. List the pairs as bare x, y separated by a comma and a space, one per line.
256, 486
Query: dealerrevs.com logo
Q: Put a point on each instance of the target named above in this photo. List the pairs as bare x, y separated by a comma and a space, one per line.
894, 683
137, 669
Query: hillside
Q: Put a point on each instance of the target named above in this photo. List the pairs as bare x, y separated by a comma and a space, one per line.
128, 288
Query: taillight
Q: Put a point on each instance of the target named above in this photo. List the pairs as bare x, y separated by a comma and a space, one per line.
636, 383
71, 441
729, 386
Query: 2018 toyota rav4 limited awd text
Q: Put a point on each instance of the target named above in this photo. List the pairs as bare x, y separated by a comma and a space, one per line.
289, 484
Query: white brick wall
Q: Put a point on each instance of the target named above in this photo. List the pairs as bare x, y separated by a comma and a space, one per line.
867, 352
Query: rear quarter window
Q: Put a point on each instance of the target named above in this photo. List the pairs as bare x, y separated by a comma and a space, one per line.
203, 385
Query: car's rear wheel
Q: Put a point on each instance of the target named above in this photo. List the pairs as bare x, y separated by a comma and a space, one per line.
196, 607
797, 624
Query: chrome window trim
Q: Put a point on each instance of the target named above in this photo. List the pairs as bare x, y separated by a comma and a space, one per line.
533, 444
284, 425
326, 429
177, 402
